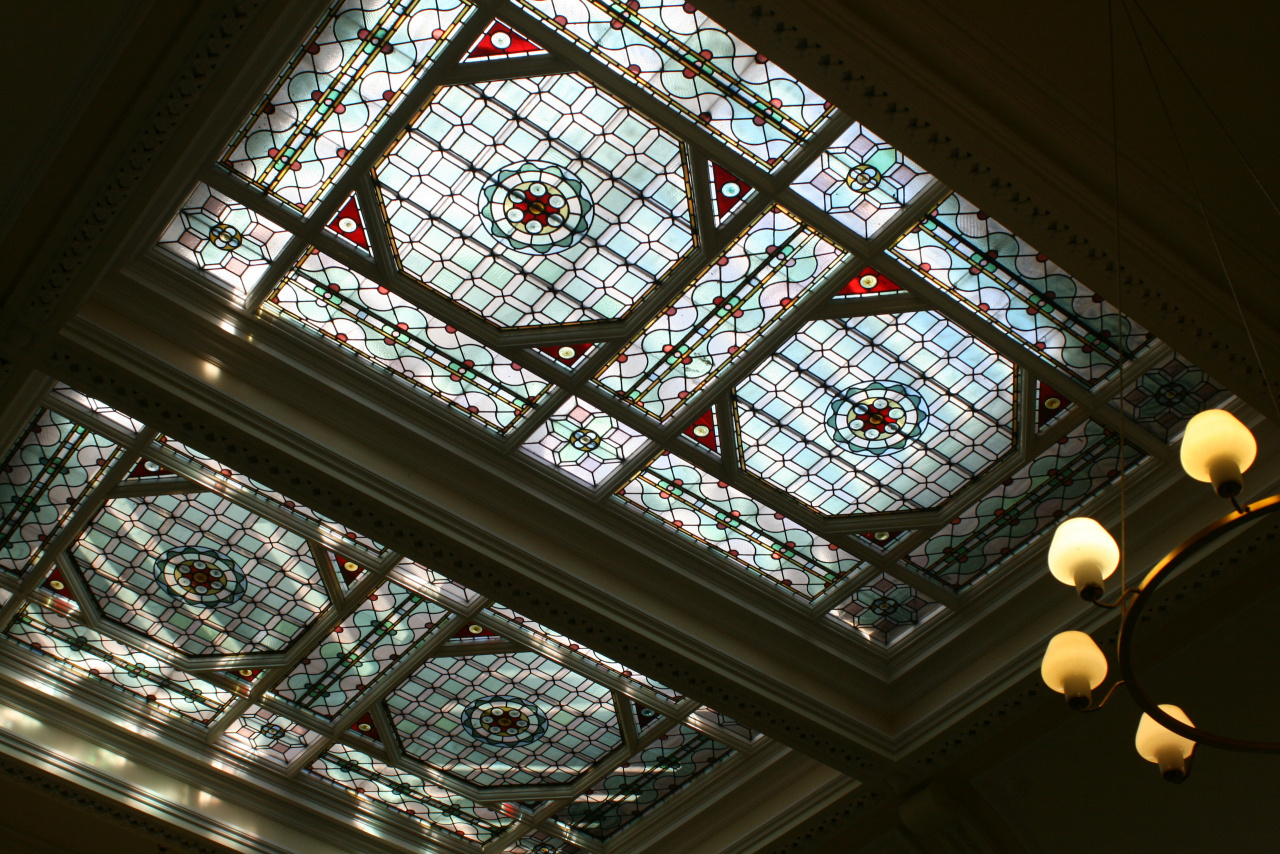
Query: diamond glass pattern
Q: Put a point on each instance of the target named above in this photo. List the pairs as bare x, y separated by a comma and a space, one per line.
1165, 397
876, 414
225, 239
385, 329
409, 794
1075, 468
137, 553
536, 201
765, 273
1019, 290
552, 725
583, 442
655, 773
337, 90
884, 609
721, 517
104, 659
47, 473
360, 649
684, 58
272, 736
862, 181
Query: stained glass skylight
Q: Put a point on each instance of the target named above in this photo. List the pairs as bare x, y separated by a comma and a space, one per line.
648, 260
370, 672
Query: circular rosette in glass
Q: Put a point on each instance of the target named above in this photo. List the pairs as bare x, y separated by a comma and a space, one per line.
503, 720
876, 418
201, 575
536, 207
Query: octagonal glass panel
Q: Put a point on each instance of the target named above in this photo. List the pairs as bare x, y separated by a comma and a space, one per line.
536, 201
877, 414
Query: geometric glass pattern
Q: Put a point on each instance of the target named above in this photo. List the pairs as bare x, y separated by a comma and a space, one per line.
374, 323
148, 559
409, 794
448, 691
536, 201
513, 719
224, 238
655, 773
877, 414
1020, 291
1075, 468
688, 62
583, 442
884, 609
1165, 397
46, 474
765, 273
341, 84
578, 218
719, 516
862, 181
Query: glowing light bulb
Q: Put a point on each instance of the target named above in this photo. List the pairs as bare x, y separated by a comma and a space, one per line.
1083, 554
1074, 666
1164, 747
1218, 449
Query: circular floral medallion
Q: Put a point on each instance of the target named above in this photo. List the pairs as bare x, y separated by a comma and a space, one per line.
536, 207
201, 575
876, 418
508, 721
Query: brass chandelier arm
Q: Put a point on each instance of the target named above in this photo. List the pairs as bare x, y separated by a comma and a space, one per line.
1161, 571
1098, 705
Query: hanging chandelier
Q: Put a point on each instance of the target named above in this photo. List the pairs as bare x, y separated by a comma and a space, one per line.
1216, 449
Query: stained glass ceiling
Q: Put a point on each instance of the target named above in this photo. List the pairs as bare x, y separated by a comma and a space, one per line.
754, 321
194, 594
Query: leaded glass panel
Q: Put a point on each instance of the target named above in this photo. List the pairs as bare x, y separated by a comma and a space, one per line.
685, 59
369, 320
713, 513
885, 609
877, 414
360, 649
514, 719
1164, 398
336, 92
46, 474
265, 735
651, 776
200, 573
93, 655
218, 235
862, 181
583, 442
537, 201
768, 269
409, 794
1074, 469
1019, 290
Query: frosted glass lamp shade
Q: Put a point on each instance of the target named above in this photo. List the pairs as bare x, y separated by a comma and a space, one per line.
1167, 749
1074, 666
1218, 449
1083, 554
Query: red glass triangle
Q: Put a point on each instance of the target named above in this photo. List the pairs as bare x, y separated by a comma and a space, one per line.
474, 630
350, 224
727, 188
567, 353
501, 40
148, 468
58, 585
880, 538
644, 715
870, 282
248, 674
349, 568
703, 431
366, 727
1049, 404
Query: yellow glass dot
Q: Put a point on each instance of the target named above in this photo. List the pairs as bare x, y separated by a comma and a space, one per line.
1052, 403
567, 352
701, 430
868, 282
56, 584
